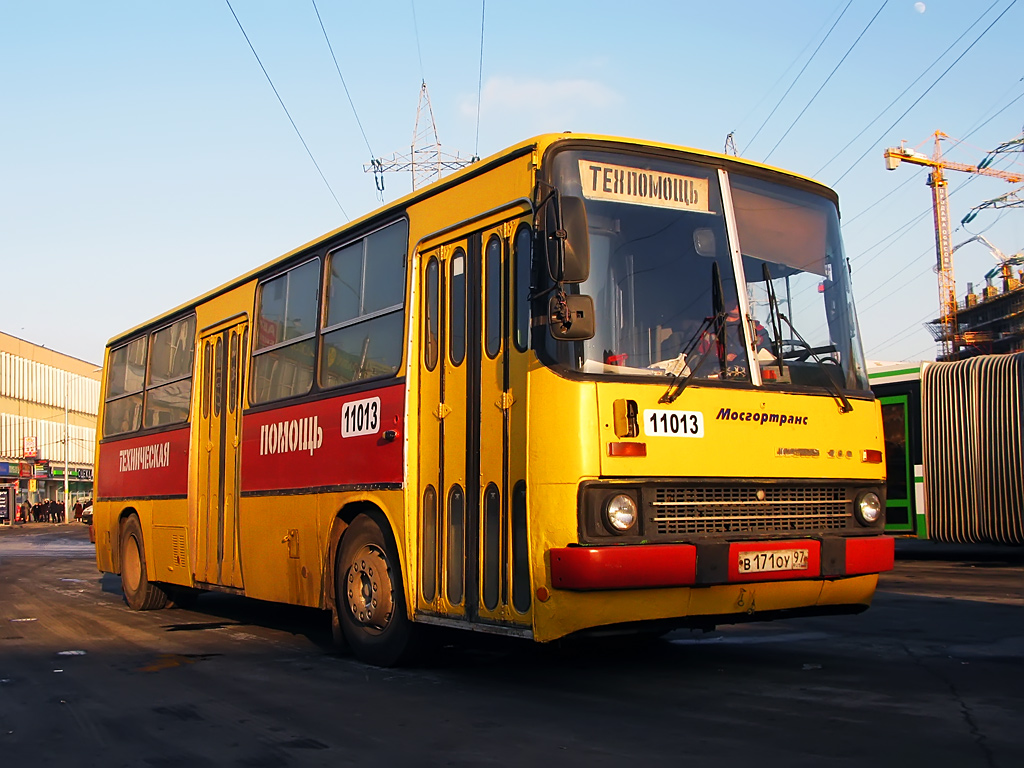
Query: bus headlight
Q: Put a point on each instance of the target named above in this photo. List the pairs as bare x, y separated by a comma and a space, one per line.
620, 513
868, 508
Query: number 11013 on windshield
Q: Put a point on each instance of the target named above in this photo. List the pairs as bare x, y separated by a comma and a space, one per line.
666, 423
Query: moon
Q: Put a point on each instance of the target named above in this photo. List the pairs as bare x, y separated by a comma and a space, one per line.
919, 7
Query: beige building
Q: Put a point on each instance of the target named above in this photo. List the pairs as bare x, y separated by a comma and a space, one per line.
48, 406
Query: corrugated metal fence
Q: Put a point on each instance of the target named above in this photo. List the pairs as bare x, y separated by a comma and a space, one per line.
972, 413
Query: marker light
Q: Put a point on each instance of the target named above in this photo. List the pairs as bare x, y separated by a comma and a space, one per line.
871, 457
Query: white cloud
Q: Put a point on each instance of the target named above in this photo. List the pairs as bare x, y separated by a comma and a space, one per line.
543, 104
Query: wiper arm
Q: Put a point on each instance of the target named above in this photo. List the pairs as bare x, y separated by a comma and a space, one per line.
844, 405
680, 380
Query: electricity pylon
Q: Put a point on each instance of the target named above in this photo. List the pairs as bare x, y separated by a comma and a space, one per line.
426, 161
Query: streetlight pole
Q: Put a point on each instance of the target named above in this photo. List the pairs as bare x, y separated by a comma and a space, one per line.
67, 445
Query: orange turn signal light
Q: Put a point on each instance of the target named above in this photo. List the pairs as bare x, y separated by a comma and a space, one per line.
627, 449
871, 457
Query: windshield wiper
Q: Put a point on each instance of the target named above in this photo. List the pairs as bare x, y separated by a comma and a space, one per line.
716, 321
834, 389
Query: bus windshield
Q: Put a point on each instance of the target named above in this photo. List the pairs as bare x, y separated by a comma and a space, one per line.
660, 252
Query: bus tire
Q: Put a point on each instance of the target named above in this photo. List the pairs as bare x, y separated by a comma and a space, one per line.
139, 592
369, 595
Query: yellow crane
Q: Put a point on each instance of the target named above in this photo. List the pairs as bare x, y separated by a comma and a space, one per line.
943, 234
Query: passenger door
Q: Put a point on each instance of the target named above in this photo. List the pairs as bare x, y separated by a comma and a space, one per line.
465, 401
223, 351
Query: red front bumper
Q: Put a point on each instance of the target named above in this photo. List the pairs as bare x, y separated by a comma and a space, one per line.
685, 565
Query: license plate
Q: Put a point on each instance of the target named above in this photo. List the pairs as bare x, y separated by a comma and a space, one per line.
773, 560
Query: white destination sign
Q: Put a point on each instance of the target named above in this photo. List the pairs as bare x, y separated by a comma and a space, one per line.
621, 183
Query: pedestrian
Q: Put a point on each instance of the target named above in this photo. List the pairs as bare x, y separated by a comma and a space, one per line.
78, 511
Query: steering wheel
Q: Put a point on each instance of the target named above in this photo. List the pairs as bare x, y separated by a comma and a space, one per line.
795, 349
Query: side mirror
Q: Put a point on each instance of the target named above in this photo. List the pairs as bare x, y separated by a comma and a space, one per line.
566, 239
573, 321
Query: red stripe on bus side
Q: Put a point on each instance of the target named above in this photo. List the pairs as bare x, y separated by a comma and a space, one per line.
335, 460
150, 465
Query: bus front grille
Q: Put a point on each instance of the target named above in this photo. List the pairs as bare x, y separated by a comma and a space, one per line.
709, 509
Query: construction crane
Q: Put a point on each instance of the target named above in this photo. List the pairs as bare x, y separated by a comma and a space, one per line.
948, 334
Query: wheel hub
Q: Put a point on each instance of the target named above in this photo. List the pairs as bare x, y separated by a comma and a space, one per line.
368, 589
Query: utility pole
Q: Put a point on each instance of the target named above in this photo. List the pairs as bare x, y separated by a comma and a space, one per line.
67, 505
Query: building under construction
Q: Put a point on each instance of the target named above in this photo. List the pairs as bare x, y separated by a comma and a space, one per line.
990, 321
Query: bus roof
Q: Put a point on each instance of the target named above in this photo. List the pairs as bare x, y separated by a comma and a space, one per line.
538, 144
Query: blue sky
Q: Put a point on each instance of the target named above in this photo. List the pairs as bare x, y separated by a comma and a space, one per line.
144, 158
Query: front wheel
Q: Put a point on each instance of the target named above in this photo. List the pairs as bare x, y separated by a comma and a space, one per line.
139, 592
370, 601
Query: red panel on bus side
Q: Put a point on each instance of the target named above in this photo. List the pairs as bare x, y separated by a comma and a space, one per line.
149, 465
872, 555
340, 440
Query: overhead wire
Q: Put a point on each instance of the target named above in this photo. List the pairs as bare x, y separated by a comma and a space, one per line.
785, 72
416, 31
926, 92
287, 113
882, 199
905, 90
827, 79
342, 78
378, 176
753, 138
480, 80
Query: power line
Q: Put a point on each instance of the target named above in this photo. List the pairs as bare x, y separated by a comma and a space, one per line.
927, 91
281, 102
883, 197
746, 149
834, 70
416, 31
342, 77
784, 73
480, 81
904, 93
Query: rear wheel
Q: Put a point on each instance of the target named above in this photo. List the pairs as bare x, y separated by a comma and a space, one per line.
139, 592
369, 595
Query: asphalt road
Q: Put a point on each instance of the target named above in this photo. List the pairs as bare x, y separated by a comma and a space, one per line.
931, 675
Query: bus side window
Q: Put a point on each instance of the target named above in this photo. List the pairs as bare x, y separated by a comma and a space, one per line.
492, 297
521, 296
457, 308
126, 377
431, 309
364, 318
284, 344
169, 374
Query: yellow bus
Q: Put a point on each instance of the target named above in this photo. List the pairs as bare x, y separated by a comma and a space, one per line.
587, 384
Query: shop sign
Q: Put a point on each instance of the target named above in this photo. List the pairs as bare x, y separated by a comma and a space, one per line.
29, 448
24, 469
7, 469
32, 485
74, 473
41, 469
